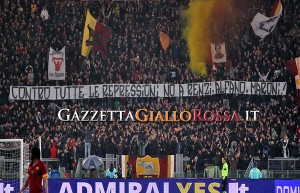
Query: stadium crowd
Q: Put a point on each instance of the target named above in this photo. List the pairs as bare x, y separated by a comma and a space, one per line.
28, 28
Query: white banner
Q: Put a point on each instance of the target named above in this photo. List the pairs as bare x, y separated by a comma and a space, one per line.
57, 64
146, 90
262, 25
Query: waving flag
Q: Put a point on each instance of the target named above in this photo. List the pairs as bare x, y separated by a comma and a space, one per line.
96, 35
293, 66
164, 40
262, 25
90, 23
277, 8
57, 64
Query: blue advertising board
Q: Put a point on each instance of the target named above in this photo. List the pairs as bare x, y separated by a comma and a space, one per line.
161, 186
9, 186
287, 186
135, 186
248, 186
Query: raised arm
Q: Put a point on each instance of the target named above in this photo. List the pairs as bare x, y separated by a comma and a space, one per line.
259, 73
93, 131
80, 130
146, 144
103, 10
58, 106
267, 74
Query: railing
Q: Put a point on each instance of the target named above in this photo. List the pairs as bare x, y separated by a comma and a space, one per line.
272, 174
286, 168
51, 161
280, 163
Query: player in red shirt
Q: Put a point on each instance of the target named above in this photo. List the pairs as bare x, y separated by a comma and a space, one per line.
36, 173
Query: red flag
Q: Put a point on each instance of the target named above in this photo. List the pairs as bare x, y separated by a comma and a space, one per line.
95, 35
104, 33
293, 66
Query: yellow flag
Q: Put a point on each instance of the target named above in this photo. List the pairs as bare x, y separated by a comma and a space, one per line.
90, 23
164, 40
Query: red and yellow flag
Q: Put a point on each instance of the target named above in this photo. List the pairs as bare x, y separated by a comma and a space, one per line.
96, 35
277, 8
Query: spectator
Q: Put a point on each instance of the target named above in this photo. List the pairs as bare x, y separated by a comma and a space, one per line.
30, 76
142, 146
94, 173
129, 170
263, 77
53, 150
232, 163
264, 165
111, 171
119, 172
285, 144
33, 7
53, 173
88, 138
255, 172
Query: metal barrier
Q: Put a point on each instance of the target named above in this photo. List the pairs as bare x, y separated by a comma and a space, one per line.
51, 161
280, 163
180, 164
284, 168
238, 174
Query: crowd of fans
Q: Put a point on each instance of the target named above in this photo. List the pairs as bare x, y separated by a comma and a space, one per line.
28, 29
